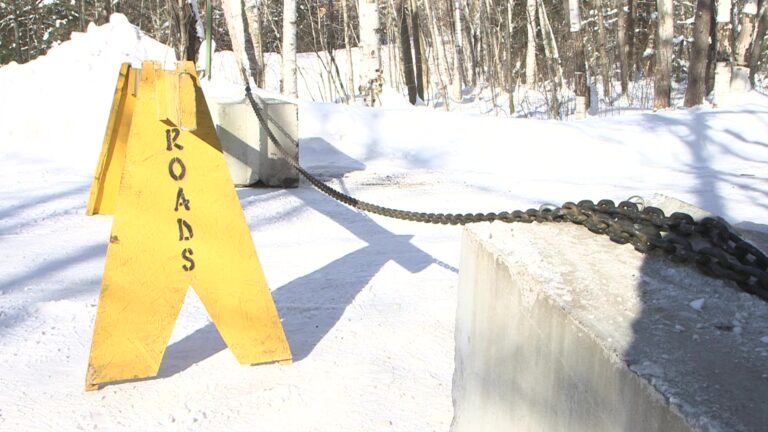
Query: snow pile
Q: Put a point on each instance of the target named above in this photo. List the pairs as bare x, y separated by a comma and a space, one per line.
56, 102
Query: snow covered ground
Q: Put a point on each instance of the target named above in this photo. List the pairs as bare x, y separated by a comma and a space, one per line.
367, 303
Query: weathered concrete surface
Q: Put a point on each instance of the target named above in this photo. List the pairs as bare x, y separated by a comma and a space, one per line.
242, 139
559, 329
283, 119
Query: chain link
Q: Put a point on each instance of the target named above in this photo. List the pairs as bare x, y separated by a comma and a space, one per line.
711, 244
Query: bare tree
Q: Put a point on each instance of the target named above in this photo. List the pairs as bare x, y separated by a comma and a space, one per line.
664, 45
605, 63
740, 78
419, 54
406, 57
625, 39
369, 39
183, 29
290, 86
724, 34
530, 52
757, 46
580, 65
510, 66
233, 10
348, 48
437, 47
254, 48
550, 44
459, 51
694, 94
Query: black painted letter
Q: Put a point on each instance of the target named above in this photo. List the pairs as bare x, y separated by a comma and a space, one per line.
172, 171
182, 226
186, 255
171, 135
181, 199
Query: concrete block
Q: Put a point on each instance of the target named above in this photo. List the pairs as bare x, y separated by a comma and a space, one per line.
559, 329
242, 140
283, 119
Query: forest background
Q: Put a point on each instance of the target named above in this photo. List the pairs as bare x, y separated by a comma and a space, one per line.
573, 53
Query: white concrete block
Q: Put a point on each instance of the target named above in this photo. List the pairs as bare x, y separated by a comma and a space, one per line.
559, 329
242, 140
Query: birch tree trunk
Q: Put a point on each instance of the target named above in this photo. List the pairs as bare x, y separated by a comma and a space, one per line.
740, 79
724, 51
290, 85
459, 51
233, 10
697, 71
530, 52
369, 39
664, 45
550, 45
254, 50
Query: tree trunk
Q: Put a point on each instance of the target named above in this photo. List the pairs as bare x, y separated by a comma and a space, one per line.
459, 54
664, 45
605, 62
697, 71
182, 29
418, 51
473, 25
712, 54
623, 37
437, 45
508, 31
580, 69
290, 84
530, 52
253, 46
757, 46
348, 48
334, 82
368, 11
233, 10
16, 36
82, 15
405, 52
550, 44
724, 51
740, 78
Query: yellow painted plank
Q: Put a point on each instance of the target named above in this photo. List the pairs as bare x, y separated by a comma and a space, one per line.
109, 169
178, 223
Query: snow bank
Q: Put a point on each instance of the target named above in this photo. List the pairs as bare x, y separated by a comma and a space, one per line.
56, 103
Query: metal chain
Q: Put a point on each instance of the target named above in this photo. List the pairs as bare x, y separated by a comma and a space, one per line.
711, 244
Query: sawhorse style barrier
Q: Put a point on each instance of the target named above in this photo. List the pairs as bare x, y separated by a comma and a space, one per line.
177, 223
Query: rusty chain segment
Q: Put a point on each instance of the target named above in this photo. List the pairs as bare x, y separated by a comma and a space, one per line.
711, 244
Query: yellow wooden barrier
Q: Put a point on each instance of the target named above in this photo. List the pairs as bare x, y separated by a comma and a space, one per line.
178, 223
110, 167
